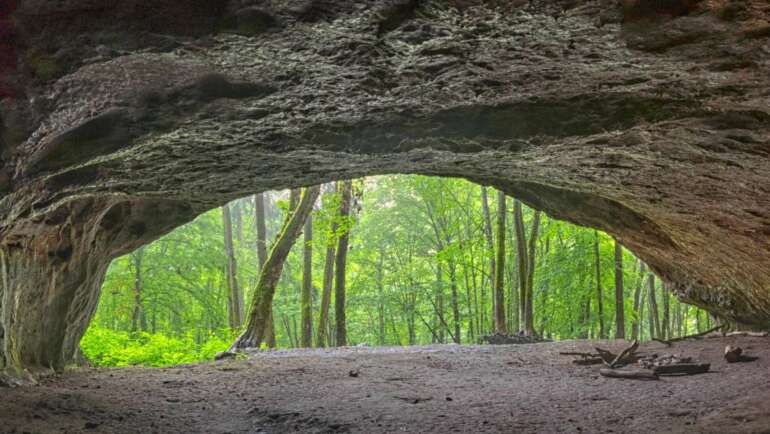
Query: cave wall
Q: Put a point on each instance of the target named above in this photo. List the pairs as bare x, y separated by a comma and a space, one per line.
646, 119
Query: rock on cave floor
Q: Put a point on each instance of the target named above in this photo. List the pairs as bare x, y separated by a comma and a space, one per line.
425, 389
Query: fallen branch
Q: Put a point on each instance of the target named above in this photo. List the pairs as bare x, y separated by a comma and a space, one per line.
682, 369
629, 351
750, 334
631, 375
668, 342
577, 353
586, 361
625, 357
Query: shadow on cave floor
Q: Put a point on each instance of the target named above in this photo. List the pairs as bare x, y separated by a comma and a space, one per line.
426, 389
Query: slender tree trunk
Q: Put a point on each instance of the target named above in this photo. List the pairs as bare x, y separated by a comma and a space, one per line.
287, 327
491, 250
237, 218
306, 299
655, 326
521, 255
637, 307
234, 294
499, 287
599, 301
328, 280
529, 319
666, 329
585, 319
340, 266
440, 303
381, 298
455, 302
620, 320
259, 210
138, 321
271, 273
642, 304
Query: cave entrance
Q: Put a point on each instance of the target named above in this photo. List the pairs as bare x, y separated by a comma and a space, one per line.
420, 269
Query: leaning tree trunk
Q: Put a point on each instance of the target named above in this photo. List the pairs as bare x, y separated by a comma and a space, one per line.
340, 267
271, 273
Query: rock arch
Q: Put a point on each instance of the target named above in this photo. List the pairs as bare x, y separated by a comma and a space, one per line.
643, 119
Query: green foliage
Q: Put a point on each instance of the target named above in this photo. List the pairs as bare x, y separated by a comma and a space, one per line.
105, 347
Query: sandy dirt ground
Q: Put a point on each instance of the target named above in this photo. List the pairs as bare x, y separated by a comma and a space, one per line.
426, 389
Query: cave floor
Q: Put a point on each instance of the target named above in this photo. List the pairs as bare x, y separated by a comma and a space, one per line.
425, 389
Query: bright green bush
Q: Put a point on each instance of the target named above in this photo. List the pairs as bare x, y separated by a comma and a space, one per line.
105, 347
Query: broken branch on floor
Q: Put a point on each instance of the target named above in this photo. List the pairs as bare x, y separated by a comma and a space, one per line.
749, 334
668, 342
637, 374
627, 356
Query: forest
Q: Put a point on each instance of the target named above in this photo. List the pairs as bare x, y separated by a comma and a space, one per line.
387, 260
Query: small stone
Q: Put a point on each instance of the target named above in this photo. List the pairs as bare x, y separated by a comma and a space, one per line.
733, 354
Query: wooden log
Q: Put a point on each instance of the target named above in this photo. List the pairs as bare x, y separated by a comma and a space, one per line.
682, 369
638, 374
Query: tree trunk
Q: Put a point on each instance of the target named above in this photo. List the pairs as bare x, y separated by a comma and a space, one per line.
521, 255
599, 302
138, 321
237, 217
440, 323
381, 298
326, 292
666, 328
491, 250
529, 317
340, 266
259, 210
499, 290
306, 300
620, 321
455, 302
637, 306
653, 306
271, 273
235, 299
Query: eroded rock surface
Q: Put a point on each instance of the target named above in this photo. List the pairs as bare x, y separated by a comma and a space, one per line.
648, 120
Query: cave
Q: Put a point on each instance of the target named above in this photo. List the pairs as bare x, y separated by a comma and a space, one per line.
122, 120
